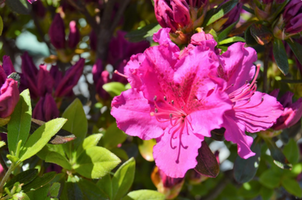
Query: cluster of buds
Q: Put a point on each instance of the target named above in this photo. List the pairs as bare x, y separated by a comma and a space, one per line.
119, 52
46, 85
182, 16
290, 22
57, 38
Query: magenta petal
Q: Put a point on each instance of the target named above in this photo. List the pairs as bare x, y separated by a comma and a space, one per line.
9, 97
238, 65
132, 113
234, 132
163, 37
259, 113
166, 157
133, 70
8, 65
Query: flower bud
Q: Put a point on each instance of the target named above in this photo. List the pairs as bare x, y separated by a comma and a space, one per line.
57, 32
292, 111
166, 185
290, 22
9, 97
100, 77
70, 78
8, 65
182, 16
74, 35
46, 109
45, 81
39, 9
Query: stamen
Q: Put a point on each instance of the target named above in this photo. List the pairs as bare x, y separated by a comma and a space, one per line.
155, 98
118, 73
165, 98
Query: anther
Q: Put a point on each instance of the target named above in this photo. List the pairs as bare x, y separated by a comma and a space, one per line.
118, 73
156, 110
155, 97
165, 98
170, 115
172, 102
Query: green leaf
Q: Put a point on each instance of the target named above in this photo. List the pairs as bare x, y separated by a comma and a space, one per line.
214, 34
90, 141
1, 25
39, 182
207, 164
231, 40
2, 144
19, 125
245, 169
54, 190
141, 34
296, 48
96, 162
144, 195
54, 157
223, 34
40, 193
123, 179
291, 151
146, 149
261, 33
71, 191
23, 178
279, 158
40, 138
270, 179
114, 88
121, 153
292, 186
220, 12
266, 193
19, 6
249, 39
105, 184
76, 124
113, 136
280, 56
250, 189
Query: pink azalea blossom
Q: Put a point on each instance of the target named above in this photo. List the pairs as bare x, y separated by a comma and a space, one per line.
173, 100
252, 111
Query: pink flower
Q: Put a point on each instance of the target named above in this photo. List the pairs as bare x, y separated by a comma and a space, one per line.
173, 100
292, 111
252, 111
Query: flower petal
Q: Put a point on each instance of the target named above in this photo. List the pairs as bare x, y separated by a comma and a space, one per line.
132, 113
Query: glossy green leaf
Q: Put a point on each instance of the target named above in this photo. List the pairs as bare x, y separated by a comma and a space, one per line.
105, 185
220, 12
270, 179
279, 158
121, 153
231, 40
123, 179
141, 34
144, 195
76, 124
249, 39
39, 182
245, 169
292, 186
223, 34
23, 178
19, 6
296, 48
54, 157
19, 125
250, 189
291, 151
54, 189
280, 56
1, 25
40, 138
96, 162
114, 88
90, 141
2, 144
40, 193
113, 136
266, 193
71, 191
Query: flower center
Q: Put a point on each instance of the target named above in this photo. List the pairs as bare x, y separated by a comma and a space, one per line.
167, 111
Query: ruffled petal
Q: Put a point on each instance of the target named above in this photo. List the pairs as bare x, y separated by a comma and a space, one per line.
132, 113
235, 132
175, 162
259, 113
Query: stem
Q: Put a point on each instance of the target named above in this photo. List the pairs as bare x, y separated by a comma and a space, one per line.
265, 67
6, 176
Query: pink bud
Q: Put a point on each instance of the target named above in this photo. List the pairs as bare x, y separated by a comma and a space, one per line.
100, 77
74, 35
46, 109
9, 97
39, 9
57, 32
8, 65
70, 78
